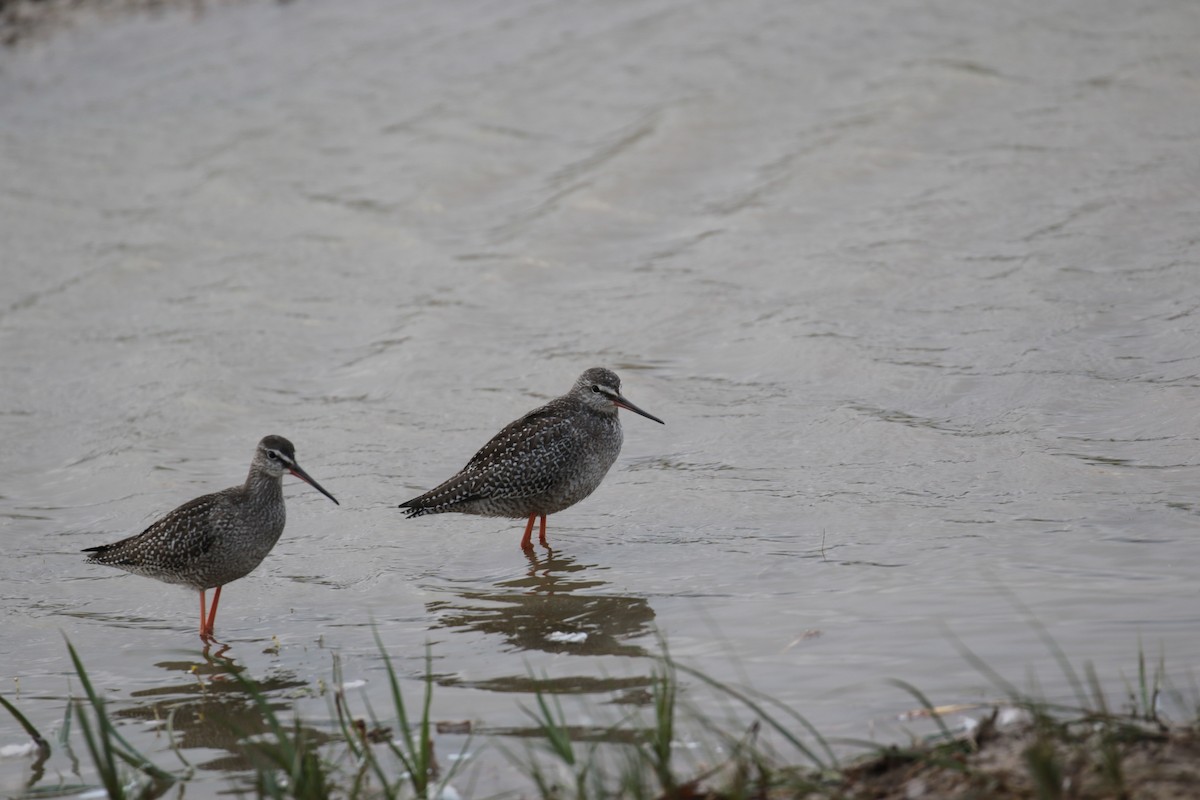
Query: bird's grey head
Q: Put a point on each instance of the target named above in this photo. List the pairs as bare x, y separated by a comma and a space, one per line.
600, 389
275, 456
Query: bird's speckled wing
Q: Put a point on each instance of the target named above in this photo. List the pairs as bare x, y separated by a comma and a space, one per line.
522, 460
179, 538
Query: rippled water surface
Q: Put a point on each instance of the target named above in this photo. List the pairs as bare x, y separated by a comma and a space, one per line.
912, 284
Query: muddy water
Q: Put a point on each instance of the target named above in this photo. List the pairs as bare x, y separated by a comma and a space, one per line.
913, 286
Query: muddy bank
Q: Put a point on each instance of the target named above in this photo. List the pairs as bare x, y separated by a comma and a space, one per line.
1032, 762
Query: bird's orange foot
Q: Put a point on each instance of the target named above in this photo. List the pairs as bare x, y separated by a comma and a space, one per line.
526, 544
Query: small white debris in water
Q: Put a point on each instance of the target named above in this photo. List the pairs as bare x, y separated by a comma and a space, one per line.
566, 638
354, 684
685, 745
1013, 716
18, 750
449, 793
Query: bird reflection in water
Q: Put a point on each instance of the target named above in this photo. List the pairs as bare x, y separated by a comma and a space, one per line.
215, 711
553, 608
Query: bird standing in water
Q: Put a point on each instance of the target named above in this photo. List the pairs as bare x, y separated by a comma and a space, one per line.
546, 461
217, 538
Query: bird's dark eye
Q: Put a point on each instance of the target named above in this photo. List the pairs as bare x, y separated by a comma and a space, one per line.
271, 454
595, 388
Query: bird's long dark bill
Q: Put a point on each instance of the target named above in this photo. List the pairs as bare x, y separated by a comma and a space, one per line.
623, 403
304, 476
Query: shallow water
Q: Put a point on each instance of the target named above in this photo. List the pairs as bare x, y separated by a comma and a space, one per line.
913, 286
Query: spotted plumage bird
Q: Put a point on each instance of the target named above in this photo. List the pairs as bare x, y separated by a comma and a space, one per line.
217, 538
546, 461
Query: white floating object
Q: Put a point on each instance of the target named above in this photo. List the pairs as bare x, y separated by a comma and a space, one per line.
354, 684
1013, 716
18, 750
566, 638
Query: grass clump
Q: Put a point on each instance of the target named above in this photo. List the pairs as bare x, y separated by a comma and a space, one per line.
287, 761
292, 763
1047, 750
1027, 747
290, 760
411, 748
646, 764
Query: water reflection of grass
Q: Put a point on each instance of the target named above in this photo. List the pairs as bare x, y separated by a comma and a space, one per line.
662, 748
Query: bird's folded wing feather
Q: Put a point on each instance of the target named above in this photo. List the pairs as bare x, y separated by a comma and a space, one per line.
186, 533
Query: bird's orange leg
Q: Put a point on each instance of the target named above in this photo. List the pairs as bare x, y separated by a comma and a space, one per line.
202, 614
212, 614
542, 532
525, 543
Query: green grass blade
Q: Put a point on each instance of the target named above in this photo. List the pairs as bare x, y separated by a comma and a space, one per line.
801, 720
924, 701
285, 752
101, 758
175, 744
64, 733
417, 758
111, 740
1147, 710
42, 745
1101, 705
1064, 663
981, 666
762, 714
553, 728
426, 740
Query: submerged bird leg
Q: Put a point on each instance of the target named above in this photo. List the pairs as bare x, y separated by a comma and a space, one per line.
212, 614
542, 533
525, 543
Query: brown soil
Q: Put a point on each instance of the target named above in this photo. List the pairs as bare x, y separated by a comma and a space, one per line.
1078, 762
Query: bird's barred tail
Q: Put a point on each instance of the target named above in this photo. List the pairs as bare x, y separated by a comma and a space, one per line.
411, 510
